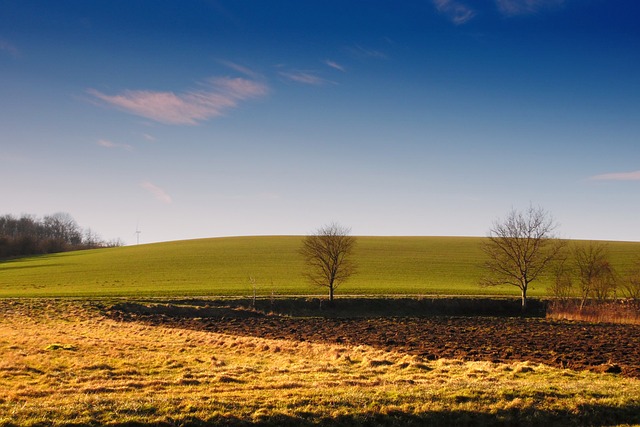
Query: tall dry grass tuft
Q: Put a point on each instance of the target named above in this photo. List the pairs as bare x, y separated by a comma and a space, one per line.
622, 311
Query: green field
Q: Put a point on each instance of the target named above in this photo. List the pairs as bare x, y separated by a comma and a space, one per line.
223, 266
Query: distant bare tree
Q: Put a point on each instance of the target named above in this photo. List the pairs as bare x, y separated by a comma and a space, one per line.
520, 248
63, 227
596, 275
91, 239
114, 243
632, 283
327, 254
562, 286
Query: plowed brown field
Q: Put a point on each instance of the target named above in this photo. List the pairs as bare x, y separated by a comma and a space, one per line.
575, 345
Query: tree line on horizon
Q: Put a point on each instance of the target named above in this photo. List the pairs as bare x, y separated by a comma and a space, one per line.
29, 235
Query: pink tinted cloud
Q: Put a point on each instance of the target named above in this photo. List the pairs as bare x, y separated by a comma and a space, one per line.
619, 176
334, 65
216, 96
109, 144
240, 69
304, 77
157, 192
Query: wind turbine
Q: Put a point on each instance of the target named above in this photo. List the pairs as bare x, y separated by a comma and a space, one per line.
138, 234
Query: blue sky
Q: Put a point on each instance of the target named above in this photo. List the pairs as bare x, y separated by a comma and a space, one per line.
217, 118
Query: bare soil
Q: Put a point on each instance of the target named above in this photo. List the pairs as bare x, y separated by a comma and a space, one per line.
611, 348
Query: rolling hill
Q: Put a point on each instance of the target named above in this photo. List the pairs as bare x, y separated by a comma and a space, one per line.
224, 266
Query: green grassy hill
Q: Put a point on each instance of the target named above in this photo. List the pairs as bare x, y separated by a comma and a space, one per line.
223, 266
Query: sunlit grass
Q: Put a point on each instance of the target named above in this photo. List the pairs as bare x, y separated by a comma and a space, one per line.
386, 265
63, 365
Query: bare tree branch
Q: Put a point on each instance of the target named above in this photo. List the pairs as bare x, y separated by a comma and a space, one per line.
597, 277
519, 248
327, 255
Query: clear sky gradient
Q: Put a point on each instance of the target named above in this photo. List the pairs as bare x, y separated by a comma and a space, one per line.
199, 118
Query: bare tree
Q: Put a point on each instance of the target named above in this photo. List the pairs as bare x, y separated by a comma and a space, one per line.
562, 286
632, 283
596, 275
63, 227
328, 256
520, 248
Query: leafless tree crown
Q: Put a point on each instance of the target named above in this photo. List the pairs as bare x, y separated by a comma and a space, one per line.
632, 283
327, 254
519, 248
596, 275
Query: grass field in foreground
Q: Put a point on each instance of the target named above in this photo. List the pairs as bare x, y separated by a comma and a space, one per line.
64, 364
223, 266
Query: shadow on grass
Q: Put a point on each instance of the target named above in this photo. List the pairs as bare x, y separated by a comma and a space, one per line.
345, 307
587, 415
11, 267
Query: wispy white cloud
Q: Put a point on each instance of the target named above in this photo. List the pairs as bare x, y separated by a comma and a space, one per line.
334, 65
216, 96
456, 11
109, 144
9, 48
619, 176
524, 7
157, 192
365, 53
148, 137
305, 77
240, 69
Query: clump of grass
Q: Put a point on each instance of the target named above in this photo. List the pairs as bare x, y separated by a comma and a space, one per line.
57, 346
616, 311
138, 374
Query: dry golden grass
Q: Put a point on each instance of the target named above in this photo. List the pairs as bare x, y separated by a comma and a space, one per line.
63, 363
619, 311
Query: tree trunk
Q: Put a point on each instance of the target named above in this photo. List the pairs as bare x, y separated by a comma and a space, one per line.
524, 299
331, 296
